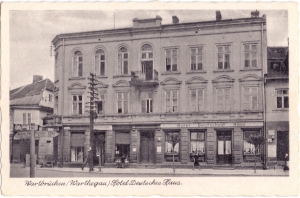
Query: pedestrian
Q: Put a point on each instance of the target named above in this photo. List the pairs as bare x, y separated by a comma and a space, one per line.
286, 162
88, 160
123, 161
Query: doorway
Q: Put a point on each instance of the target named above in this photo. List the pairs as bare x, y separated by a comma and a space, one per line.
147, 68
147, 147
224, 145
100, 148
282, 144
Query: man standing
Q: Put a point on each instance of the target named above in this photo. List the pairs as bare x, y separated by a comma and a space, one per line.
89, 159
286, 164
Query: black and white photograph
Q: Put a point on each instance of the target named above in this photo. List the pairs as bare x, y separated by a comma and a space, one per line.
150, 97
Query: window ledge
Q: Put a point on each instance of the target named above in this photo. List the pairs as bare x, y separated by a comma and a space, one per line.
170, 73
121, 76
251, 69
278, 110
196, 72
223, 70
101, 76
77, 78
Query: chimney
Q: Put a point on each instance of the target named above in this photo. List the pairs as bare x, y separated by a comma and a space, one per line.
218, 15
37, 78
175, 19
254, 14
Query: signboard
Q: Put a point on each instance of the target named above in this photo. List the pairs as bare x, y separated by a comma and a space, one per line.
37, 134
159, 149
214, 124
67, 128
272, 150
103, 127
271, 132
24, 127
23, 135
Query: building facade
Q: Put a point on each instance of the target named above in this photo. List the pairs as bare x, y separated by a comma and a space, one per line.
277, 108
29, 104
200, 81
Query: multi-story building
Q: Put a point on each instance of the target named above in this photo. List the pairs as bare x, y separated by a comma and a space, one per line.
29, 104
277, 107
202, 81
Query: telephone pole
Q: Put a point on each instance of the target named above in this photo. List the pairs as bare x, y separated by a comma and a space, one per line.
32, 151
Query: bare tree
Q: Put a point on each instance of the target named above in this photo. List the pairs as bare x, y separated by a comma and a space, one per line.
257, 141
173, 138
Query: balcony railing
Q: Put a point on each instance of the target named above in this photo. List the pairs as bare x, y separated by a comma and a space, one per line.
138, 78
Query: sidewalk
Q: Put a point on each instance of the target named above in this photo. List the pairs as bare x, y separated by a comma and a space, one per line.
179, 172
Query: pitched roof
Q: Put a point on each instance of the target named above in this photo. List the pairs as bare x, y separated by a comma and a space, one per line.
30, 94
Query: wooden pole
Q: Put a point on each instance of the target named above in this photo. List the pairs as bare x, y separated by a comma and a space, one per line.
32, 152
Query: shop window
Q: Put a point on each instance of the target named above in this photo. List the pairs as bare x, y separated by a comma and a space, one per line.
250, 53
122, 150
171, 101
100, 104
77, 154
77, 147
223, 97
197, 100
282, 98
100, 62
123, 102
123, 60
169, 151
249, 149
224, 57
77, 64
250, 98
196, 58
171, 59
77, 104
197, 142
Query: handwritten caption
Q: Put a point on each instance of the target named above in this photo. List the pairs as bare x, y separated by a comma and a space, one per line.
113, 183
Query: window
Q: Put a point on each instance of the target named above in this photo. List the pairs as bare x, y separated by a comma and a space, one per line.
147, 52
123, 61
24, 118
168, 144
100, 62
197, 58
197, 142
197, 100
77, 64
29, 118
282, 98
146, 104
224, 57
77, 104
250, 52
56, 104
100, 104
171, 101
50, 97
171, 60
123, 99
77, 147
250, 148
223, 99
250, 98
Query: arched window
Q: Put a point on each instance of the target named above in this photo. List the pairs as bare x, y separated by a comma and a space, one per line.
147, 61
100, 62
123, 61
147, 52
77, 64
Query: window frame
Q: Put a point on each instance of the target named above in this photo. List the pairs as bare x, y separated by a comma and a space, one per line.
76, 63
98, 62
171, 58
258, 132
77, 102
198, 140
166, 142
171, 100
123, 102
122, 60
250, 51
282, 96
202, 54
224, 56
197, 99
101, 99
224, 98
251, 95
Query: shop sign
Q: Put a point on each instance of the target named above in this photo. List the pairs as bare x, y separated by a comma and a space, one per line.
103, 127
24, 127
23, 135
48, 134
67, 128
210, 125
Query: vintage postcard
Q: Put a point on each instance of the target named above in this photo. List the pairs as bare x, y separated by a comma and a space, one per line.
140, 99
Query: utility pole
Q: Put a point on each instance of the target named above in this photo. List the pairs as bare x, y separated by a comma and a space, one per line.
32, 151
93, 95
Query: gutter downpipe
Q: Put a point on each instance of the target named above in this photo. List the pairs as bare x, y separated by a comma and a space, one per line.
63, 93
264, 94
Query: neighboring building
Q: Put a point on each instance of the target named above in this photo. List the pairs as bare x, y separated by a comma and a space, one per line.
200, 80
277, 106
29, 104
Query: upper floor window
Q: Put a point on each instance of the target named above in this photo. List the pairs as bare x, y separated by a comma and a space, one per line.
100, 104
196, 58
123, 102
77, 64
123, 60
282, 98
171, 101
56, 104
77, 104
100, 62
250, 98
146, 52
250, 52
197, 100
147, 106
224, 57
223, 99
27, 118
171, 59
50, 97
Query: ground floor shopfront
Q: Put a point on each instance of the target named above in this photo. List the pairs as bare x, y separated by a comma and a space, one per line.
211, 143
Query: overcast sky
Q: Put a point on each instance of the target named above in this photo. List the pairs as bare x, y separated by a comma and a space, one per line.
31, 33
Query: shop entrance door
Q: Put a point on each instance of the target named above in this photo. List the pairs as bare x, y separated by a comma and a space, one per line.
147, 147
282, 144
100, 148
224, 147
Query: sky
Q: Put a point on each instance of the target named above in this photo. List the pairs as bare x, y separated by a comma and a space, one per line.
31, 32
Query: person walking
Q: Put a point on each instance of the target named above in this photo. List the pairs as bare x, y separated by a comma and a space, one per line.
88, 160
286, 162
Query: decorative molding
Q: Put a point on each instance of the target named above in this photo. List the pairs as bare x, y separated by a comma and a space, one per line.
121, 83
76, 85
101, 85
171, 81
223, 78
250, 77
196, 80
